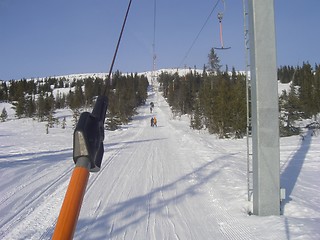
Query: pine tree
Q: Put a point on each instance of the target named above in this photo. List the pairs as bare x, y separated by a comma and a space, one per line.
41, 107
112, 122
20, 107
77, 99
238, 105
196, 117
213, 62
289, 107
206, 100
89, 90
306, 90
222, 111
317, 89
64, 123
49, 104
3, 92
30, 107
75, 116
286, 74
51, 120
4, 115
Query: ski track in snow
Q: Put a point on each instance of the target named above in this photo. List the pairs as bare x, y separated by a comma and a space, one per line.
162, 205
154, 183
27, 215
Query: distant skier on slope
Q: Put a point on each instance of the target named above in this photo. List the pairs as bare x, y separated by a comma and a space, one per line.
155, 121
151, 106
152, 122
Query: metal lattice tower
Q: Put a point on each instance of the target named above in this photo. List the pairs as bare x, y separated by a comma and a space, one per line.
248, 98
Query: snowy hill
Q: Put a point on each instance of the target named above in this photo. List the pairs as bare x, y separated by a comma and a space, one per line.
165, 182
148, 74
70, 77
80, 76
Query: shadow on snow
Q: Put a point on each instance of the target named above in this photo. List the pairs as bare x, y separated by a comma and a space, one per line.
135, 210
31, 158
291, 173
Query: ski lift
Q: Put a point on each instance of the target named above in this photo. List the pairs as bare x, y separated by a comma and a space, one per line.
220, 16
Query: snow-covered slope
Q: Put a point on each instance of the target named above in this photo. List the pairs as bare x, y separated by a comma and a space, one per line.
165, 182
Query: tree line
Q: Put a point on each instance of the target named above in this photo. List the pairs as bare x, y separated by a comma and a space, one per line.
36, 98
302, 100
216, 99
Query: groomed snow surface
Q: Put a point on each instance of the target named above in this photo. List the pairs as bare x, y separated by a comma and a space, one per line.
165, 182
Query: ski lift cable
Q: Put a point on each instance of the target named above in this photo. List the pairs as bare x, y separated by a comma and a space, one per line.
196, 38
154, 26
224, 6
88, 152
154, 56
117, 47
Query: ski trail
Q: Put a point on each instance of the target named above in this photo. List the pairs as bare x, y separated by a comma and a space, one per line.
151, 190
154, 183
42, 206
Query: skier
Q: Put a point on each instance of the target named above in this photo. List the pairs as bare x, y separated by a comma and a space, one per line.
155, 121
152, 122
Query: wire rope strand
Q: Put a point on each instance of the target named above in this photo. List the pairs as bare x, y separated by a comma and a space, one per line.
154, 25
154, 56
196, 38
117, 47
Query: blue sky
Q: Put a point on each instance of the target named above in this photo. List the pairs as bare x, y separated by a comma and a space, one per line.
56, 37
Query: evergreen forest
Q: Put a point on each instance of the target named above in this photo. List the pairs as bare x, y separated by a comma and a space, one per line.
35, 99
215, 99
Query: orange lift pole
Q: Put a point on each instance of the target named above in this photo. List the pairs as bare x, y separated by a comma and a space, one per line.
71, 206
88, 151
